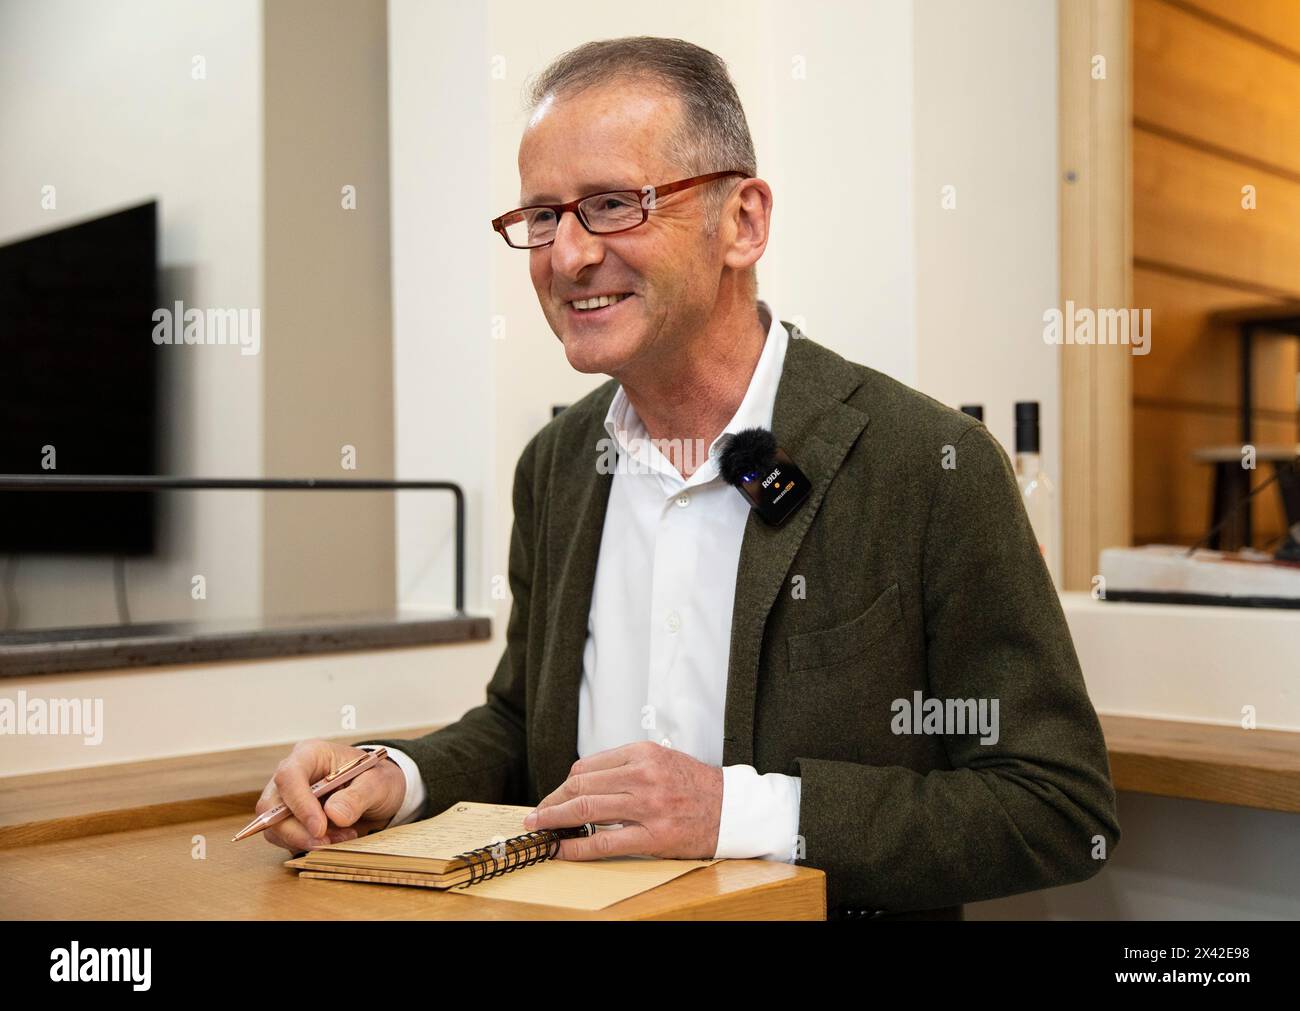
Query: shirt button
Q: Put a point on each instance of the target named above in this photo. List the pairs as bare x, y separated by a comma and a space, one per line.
673, 622
684, 499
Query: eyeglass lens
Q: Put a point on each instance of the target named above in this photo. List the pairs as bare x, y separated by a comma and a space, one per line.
604, 212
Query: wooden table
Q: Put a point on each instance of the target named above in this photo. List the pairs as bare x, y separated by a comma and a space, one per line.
116, 842
152, 874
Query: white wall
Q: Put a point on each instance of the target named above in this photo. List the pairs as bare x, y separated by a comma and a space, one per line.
986, 124
831, 110
192, 709
444, 394
97, 100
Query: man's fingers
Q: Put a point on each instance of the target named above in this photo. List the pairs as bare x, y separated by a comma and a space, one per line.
631, 840
309, 761
364, 794
620, 779
291, 835
270, 798
588, 807
295, 791
368, 802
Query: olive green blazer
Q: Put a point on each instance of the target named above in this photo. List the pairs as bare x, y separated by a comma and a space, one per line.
911, 568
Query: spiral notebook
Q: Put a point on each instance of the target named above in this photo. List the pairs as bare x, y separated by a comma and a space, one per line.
486, 848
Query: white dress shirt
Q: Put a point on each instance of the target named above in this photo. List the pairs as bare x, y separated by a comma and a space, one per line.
654, 666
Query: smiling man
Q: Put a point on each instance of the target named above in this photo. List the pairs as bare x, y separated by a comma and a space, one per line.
675, 669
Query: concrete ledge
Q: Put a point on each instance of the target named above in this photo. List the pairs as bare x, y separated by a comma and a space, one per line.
107, 647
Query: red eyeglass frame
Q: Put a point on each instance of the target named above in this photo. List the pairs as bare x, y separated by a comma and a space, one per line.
572, 206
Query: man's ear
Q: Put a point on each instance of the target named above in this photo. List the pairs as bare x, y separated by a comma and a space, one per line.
748, 217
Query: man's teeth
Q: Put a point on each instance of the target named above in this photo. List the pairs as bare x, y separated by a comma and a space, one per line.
599, 301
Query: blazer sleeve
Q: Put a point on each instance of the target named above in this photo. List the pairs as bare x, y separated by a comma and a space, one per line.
483, 755
1035, 809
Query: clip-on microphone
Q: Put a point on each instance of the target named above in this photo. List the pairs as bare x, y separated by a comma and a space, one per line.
762, 472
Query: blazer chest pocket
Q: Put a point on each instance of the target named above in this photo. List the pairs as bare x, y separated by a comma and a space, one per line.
826, 647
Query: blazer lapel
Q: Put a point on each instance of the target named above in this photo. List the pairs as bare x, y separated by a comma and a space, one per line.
576, 522
816, 428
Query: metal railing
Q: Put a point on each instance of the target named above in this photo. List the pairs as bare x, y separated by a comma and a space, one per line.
116, 482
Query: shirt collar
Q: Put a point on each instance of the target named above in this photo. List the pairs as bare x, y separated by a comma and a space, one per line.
755, 411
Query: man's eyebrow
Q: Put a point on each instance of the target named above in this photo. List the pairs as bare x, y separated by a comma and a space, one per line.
608, 186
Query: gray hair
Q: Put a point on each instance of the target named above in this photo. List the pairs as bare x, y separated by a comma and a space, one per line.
712, 135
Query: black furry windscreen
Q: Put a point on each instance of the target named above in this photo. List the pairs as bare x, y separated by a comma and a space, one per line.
747, 452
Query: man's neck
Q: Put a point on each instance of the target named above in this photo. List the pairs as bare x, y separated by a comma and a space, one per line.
685, 404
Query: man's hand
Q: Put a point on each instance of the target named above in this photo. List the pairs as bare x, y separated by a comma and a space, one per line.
669, 804
366, 803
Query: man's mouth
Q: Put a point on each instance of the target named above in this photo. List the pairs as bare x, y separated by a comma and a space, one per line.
598, 305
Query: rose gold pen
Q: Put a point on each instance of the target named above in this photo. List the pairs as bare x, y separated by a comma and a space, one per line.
330, 783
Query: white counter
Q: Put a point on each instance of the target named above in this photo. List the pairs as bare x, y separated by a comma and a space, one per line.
1182, 662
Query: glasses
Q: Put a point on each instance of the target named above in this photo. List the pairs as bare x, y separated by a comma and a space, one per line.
600, 213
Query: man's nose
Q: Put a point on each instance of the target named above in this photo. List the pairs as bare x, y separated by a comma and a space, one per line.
574, 247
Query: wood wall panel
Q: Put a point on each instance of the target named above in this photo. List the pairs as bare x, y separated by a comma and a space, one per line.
1192, 362
1277, 21
1191, 77
1187, 213
1216, 106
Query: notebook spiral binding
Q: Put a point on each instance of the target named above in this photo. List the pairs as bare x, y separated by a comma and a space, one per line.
519, 851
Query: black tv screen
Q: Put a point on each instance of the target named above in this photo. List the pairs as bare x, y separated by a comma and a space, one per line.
78, 372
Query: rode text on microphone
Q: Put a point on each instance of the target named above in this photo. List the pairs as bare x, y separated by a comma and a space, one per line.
762, 472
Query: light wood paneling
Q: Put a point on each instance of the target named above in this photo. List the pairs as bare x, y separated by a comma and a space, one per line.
1194, 363
1277, 21
1187, 212
1216, 107
1096, 253
1194, 78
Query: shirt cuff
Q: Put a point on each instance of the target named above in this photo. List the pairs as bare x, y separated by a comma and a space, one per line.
413, 802
760, 815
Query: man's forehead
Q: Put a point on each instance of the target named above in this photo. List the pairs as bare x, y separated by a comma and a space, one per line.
605, 138
569, 178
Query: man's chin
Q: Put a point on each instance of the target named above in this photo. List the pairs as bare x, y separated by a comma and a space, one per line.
591, 356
